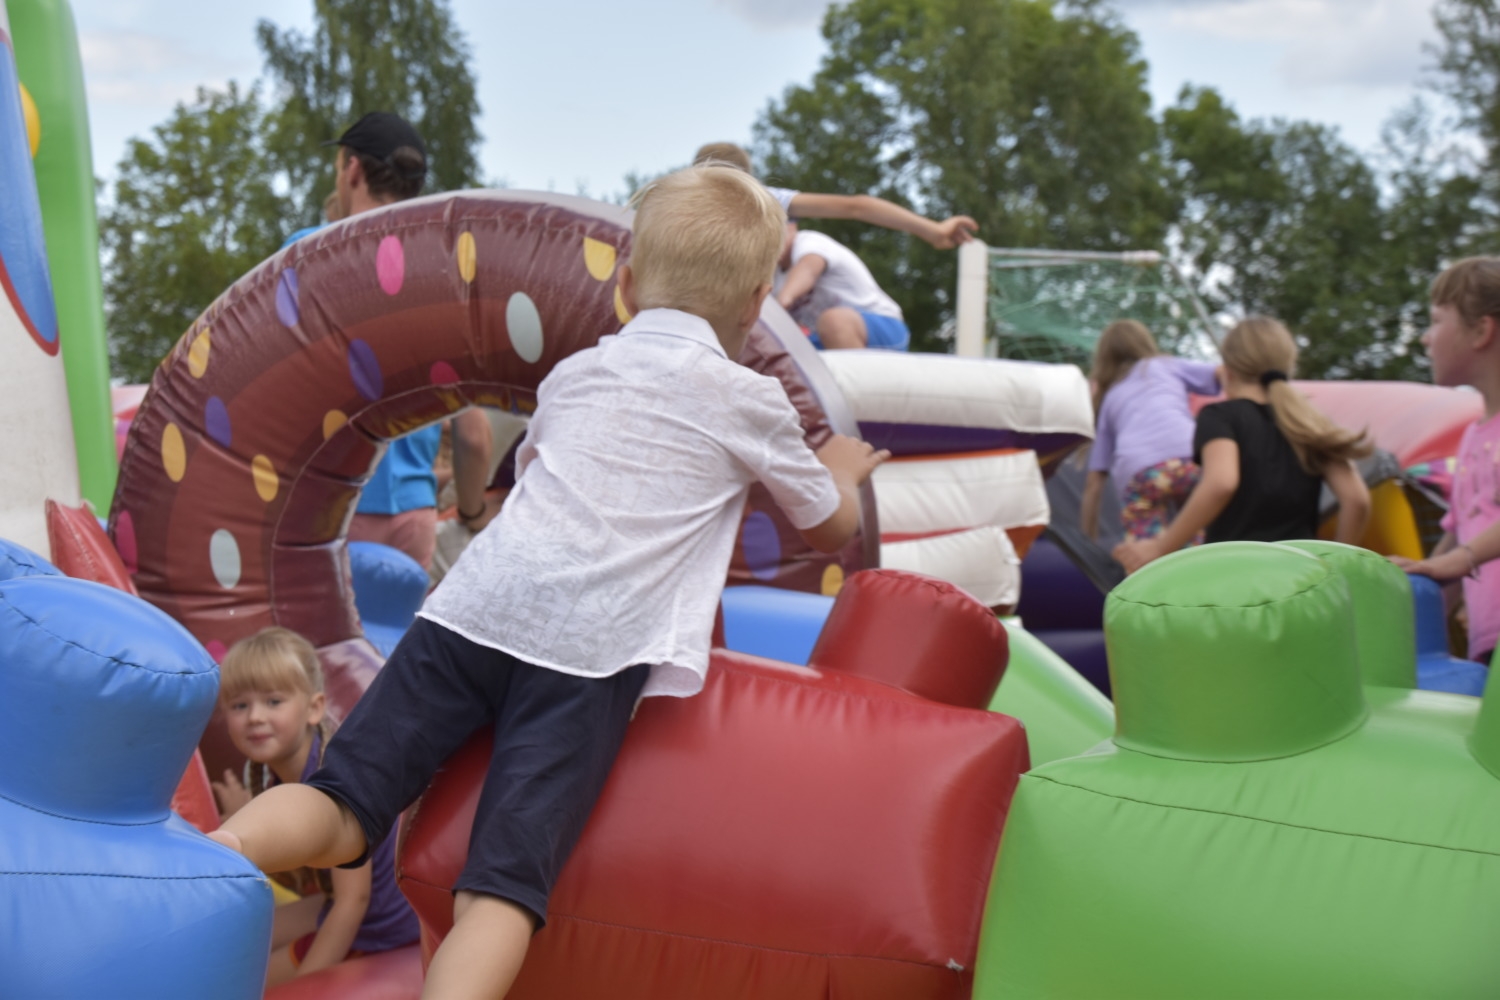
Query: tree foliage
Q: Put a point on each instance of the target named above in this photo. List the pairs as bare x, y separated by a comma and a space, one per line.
193, 210
402, 56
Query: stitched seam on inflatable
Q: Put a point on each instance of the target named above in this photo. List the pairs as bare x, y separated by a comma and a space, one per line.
1259, 819
104, 656
80, 819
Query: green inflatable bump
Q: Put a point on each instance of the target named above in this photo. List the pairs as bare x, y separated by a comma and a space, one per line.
1384, 621
1339, 846
1064, 714
46, 43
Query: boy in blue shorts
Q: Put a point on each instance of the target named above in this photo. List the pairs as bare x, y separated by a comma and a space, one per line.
595, 586
830, 292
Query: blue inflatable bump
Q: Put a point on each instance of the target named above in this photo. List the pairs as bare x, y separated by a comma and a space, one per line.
1437, 669
18, 561
389, 587
777, 624
103, 891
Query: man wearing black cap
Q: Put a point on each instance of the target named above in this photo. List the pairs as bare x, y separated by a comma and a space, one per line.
381, 159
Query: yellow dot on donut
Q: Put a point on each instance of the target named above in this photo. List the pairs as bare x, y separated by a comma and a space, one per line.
33, 120
468, 256
599, 258
266, 481
833, 580
198, 354
173, 453
620, 309
332, 421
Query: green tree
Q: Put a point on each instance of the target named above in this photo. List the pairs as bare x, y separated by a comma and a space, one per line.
1029, 115
193, 209
403, 56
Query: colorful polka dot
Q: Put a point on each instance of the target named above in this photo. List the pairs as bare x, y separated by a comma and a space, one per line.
173, 453
442, 373
364, 368
216, 649
621, 312
198, 355
216, 421
224, 558
525, 326
288, 309
390, 265
833, 580
332, 421
266, 480
599, 258
761, 545
33, 121
468, 256
124, 536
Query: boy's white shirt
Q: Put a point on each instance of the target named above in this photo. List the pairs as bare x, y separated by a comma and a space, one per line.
846, 281
613, 547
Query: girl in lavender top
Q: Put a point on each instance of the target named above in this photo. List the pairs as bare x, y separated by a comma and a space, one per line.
1144, 437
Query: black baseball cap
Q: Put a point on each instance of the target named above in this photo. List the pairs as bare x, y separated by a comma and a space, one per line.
380, 134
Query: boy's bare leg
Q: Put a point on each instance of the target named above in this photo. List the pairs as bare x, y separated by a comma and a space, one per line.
481, 956
293, 825
842, 329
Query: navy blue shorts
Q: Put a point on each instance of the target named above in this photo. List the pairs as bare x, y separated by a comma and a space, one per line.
556, 737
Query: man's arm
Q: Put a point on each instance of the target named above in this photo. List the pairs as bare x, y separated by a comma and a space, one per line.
801, 279
878, 212
850, 461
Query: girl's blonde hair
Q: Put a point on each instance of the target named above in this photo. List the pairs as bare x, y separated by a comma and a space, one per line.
1261, 349
1120, 346
273, 659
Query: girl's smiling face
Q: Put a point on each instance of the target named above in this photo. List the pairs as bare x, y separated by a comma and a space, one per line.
274, 727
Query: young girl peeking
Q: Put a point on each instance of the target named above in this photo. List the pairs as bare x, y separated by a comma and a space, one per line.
1266, 453
271, 692
1144, 438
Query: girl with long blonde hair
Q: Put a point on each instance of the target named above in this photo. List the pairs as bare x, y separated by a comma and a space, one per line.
1266, 452
1143, 440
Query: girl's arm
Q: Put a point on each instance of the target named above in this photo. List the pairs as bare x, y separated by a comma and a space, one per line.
1088, 507
1450, 561
1354, 501
1221, 477
351, 898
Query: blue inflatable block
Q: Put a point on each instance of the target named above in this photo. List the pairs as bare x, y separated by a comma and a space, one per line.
17, 561
389, 587
103, 891
777, 624
1437, 669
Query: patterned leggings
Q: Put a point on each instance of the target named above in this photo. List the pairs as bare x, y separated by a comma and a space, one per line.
1154, 495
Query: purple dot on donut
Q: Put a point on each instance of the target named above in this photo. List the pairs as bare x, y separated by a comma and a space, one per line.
442, 373
287, 309
125, 541
364, 368
762, 546
216, 421
390, 265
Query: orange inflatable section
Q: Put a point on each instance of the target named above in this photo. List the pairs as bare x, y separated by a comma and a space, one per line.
787, 833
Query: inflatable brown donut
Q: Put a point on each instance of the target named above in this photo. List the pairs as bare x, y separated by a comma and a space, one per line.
247, 456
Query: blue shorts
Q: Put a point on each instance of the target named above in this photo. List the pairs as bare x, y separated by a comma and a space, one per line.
883, 332
556, 737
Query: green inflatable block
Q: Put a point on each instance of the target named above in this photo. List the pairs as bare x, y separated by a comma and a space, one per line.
1063, 713
1263, 825
1384, 621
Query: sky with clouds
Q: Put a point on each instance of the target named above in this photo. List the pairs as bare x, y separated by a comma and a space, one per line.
575, 93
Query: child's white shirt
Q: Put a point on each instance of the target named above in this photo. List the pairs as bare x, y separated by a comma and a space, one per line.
613, 547
846, 281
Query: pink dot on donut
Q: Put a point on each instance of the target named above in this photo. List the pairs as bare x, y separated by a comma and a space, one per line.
390, 265
216, 649
442, 373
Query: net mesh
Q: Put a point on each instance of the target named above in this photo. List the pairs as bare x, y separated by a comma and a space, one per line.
1053, 307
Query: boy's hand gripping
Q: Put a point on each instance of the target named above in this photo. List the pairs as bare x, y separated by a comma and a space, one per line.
850, 460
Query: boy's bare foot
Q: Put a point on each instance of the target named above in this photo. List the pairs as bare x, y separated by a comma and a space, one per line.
228, 839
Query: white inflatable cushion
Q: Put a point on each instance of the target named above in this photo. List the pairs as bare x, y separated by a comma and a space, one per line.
918, 496
981, 561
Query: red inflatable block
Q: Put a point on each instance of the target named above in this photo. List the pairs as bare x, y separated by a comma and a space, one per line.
916, 632
785, 833
390, 975
194, 798
81, 549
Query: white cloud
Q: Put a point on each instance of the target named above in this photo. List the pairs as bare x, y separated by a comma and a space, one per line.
778, 13
138, 69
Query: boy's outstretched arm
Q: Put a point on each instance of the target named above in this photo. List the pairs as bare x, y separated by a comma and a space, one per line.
878, 212
850, 461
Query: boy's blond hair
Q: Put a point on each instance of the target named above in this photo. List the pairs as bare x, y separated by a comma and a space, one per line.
705, 239
722, 152
1472, 287
273, 659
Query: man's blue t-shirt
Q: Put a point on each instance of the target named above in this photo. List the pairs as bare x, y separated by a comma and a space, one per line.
404, 479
